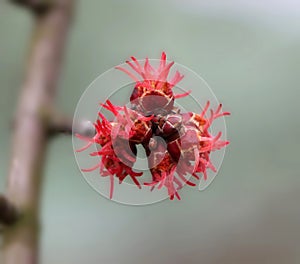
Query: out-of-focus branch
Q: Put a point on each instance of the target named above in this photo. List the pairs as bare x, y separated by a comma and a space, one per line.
8, 212
30, 135
37, 6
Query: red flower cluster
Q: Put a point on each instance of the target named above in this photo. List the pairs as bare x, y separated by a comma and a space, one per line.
178, 145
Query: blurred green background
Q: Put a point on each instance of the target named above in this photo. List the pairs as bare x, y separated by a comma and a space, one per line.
249, 53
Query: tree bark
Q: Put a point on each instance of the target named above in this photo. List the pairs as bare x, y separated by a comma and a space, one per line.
30, 135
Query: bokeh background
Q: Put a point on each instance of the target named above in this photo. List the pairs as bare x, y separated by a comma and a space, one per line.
249, 53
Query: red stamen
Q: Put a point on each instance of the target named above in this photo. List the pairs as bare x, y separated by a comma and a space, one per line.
176, 96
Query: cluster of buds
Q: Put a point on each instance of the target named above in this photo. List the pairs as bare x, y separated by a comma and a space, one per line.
178, 145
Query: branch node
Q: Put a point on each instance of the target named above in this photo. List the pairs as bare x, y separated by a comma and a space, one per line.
8, 213
38, 7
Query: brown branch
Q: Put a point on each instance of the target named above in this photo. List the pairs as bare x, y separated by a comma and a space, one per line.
61, 124
8, 212
37, 6
65, 126
29, 140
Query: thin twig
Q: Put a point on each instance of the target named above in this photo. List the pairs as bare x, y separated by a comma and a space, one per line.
60, 124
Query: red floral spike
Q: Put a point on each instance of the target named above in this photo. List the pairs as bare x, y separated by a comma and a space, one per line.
117, 157
178, 145
153, 94
188, 147
162, 168
207, 142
